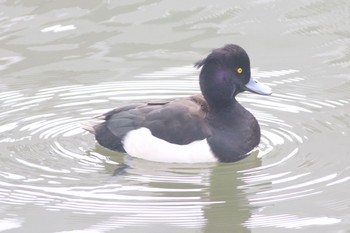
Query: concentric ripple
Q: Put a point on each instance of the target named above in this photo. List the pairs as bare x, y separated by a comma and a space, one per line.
50, 162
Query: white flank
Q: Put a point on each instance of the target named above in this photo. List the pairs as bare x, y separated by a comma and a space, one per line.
142, 144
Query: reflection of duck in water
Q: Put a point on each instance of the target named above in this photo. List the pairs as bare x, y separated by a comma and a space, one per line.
230, 208
202, 128
204, 196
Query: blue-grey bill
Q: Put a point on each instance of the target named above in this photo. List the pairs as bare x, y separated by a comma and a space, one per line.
256, 87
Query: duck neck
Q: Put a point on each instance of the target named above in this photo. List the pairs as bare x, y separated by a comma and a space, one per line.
222, 107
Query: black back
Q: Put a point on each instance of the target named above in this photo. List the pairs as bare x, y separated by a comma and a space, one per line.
178, 121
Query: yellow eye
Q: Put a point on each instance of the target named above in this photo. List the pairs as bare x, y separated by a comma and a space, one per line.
239, 70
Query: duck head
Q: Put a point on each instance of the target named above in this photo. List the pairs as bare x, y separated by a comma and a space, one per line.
225, 73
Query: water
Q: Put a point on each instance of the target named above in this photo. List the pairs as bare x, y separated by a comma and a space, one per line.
65, 61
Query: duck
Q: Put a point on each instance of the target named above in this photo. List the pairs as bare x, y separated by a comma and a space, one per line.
208, 127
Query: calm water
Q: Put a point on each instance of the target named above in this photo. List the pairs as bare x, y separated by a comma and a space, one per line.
65, 61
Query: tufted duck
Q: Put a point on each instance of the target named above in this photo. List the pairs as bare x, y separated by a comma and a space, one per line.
201, 128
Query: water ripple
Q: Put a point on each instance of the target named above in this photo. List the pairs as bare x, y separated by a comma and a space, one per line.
59, 166
289, 221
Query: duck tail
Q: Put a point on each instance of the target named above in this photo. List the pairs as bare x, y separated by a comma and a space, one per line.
88, 126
